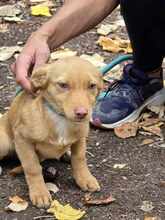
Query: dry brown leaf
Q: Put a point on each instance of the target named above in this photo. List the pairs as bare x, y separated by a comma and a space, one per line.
157, 109
15, 171
115, 45
154, 129
152, 218
147, 141
101, 201
127, 130
148, 122
17, 204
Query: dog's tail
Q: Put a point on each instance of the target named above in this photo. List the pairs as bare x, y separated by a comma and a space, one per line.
6, 143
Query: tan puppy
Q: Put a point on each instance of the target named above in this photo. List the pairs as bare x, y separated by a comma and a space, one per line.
56, 119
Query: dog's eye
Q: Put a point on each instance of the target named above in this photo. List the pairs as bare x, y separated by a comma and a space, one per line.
63, 85
92, 86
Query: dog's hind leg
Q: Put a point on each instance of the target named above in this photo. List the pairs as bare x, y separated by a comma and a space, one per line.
6, 143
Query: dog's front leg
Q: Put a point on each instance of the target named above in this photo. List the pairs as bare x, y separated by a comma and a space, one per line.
39, 194
81, 173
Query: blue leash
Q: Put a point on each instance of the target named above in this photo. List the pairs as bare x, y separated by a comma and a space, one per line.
110, 66
115, 62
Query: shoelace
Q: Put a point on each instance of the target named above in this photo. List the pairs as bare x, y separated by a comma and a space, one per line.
112, 86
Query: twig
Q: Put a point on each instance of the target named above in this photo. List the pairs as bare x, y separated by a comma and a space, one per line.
92, 155
43, 216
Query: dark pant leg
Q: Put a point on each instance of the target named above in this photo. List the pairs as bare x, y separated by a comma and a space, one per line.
145, 22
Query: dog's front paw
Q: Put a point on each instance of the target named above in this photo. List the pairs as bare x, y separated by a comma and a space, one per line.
88, 183
40, 198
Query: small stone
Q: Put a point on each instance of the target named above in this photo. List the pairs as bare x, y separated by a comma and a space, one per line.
0, 170
50, 174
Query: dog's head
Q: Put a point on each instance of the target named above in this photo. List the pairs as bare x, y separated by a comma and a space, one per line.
70, 85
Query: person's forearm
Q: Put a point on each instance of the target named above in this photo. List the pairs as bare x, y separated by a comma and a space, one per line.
75, 17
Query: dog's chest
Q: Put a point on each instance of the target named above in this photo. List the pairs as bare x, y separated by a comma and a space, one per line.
62, 129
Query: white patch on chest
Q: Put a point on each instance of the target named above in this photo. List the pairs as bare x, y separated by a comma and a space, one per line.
62, 128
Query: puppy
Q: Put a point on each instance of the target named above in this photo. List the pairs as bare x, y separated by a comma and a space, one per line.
51, 122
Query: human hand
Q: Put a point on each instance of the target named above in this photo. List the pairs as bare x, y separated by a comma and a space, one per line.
35, 53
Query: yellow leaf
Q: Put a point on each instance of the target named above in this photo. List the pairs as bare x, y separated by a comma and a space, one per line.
65, 212
40, 10
115, 45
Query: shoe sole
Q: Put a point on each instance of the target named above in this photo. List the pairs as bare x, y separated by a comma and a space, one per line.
157, 99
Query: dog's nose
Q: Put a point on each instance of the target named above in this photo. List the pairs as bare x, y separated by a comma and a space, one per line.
80, 112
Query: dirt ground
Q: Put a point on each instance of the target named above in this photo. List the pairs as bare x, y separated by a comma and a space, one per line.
139, 181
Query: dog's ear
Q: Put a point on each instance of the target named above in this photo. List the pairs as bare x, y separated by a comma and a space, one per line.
39, 78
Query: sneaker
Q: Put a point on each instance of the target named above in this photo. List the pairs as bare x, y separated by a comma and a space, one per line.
124, 101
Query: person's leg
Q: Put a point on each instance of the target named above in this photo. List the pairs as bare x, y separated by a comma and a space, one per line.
141, 22
141, 83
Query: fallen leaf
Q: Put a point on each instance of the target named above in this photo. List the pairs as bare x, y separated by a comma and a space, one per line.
152, 218
65, 212
95, 59
127, 130
155, 129
62, 53
115, 45
162, 183
162, 145
100, 201
147, 206
154, 108
9, 11
47, 3
120, 22
145, 115
36, 1
13, 19
114, 74
7, 52
119, 166
4, 28
148, 122
39, 10
157, 109
17, 204
52, 187
147, 141
15, 171
105, 29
